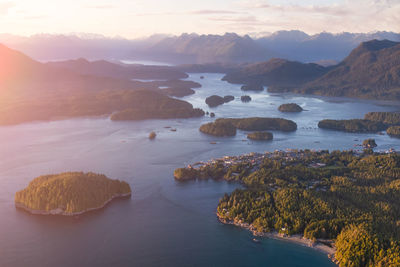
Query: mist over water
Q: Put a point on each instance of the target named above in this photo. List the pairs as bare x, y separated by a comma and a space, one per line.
165, 223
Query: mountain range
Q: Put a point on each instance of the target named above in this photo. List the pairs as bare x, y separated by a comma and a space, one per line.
372, 70
323, 48
34, 91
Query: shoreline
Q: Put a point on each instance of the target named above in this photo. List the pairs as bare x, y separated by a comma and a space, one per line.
59, 211
296, 239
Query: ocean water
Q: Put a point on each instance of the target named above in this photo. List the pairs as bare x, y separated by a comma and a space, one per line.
165, 223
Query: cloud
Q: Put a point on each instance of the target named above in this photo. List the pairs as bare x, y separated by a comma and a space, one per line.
193, 12
347, 15
101, 7
232, 19
212, 12
5, 7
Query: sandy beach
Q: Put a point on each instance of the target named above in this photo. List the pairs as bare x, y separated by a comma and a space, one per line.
320, 244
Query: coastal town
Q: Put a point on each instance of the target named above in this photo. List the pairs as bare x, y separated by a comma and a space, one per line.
256, 159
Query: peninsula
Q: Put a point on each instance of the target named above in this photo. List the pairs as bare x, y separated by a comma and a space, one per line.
70, 193
336, 200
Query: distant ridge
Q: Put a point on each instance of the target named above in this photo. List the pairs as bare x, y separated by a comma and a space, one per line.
194, 48
276, 72
372, 70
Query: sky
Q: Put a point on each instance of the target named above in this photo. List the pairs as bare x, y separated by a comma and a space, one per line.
141, 18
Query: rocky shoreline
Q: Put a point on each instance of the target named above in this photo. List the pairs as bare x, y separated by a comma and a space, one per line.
59, 211
298, 239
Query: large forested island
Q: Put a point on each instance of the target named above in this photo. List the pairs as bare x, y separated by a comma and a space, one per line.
262, 124
349, 198
70, 193
228, 126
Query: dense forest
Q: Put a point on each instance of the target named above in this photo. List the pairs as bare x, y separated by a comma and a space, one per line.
390, 118
350, 198
71, 192
260, 136
228, 126
394, 131
353, 125
372, 122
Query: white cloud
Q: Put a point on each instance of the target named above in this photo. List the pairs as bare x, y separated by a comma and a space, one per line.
348, 15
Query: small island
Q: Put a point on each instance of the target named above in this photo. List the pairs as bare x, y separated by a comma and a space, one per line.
70, 193
214, 101
152, 135
218, 128
290, 107
245, 98
260, 136
252, 87
393, 131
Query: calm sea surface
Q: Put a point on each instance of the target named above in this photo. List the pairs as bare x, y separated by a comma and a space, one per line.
165, 223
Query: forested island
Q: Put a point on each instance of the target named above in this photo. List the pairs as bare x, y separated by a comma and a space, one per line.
350, 198
260, 136
353, 125
216, 100
228, 126
218, 128
372, 122
153, 105
245, 98
70, 193
290, 107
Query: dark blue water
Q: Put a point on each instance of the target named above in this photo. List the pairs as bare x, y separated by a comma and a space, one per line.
164, 223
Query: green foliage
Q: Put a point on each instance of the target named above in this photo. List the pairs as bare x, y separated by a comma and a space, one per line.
218, 128
394, 131
369, 143
352, 199
71, 192
354, 125
186, 174
391, 118
356, 246
260, 136
261, 124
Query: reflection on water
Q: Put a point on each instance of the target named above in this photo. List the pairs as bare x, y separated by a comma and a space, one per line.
164, 223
